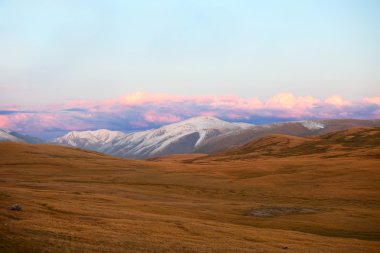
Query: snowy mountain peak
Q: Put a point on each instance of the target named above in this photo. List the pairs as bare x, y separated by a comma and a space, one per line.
203, 126
180, 137
201, 119
88, 138
203, 123
98, 134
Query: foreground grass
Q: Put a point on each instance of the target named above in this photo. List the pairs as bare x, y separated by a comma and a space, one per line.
77, 201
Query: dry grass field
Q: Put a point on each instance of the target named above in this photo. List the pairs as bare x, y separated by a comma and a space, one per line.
276, 194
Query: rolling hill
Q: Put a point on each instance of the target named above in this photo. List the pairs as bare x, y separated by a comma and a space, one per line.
363, 142
300, 129
82, 201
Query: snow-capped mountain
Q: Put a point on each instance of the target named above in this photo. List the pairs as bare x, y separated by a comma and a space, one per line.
8, 135
181, 137
196, 135
92, 140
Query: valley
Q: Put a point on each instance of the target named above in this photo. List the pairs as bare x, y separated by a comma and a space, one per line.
240, 200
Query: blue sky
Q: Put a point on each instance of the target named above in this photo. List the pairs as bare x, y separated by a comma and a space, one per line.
132, 65
57, 51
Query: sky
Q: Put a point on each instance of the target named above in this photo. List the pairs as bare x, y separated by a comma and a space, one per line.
129, 65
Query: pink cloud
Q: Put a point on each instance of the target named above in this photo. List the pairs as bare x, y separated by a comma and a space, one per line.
140, 124
374, 100
136, 98
12, 121
39, 122
291, 105
254, 103
140, 98
288, 101
154, 117
78, 103
208, 113
336, 101
281, 101
143, 98
144, 110
4, 121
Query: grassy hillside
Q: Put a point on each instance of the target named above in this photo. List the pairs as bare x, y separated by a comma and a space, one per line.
235, 139
80, 201
364, 142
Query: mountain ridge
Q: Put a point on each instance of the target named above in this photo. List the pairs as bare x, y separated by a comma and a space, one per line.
7, 135
295, 128
180, 137
359, 141
202, 134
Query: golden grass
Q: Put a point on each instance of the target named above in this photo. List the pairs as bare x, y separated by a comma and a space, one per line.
79, 201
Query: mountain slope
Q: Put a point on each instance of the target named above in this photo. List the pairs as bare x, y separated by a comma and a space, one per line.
11, 136
300, 129
91, 140
197, 135
364, 142
181, 137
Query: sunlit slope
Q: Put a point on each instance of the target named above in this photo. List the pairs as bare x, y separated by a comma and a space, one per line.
363, 142
300, 129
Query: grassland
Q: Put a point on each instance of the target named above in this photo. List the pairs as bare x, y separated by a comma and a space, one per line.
79, 201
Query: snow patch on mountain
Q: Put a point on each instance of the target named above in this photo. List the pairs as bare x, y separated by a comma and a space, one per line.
313, 125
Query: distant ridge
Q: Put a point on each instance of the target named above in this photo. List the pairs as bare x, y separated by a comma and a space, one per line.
181, 137
204, 134
297, 128
11, 136
363, 141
